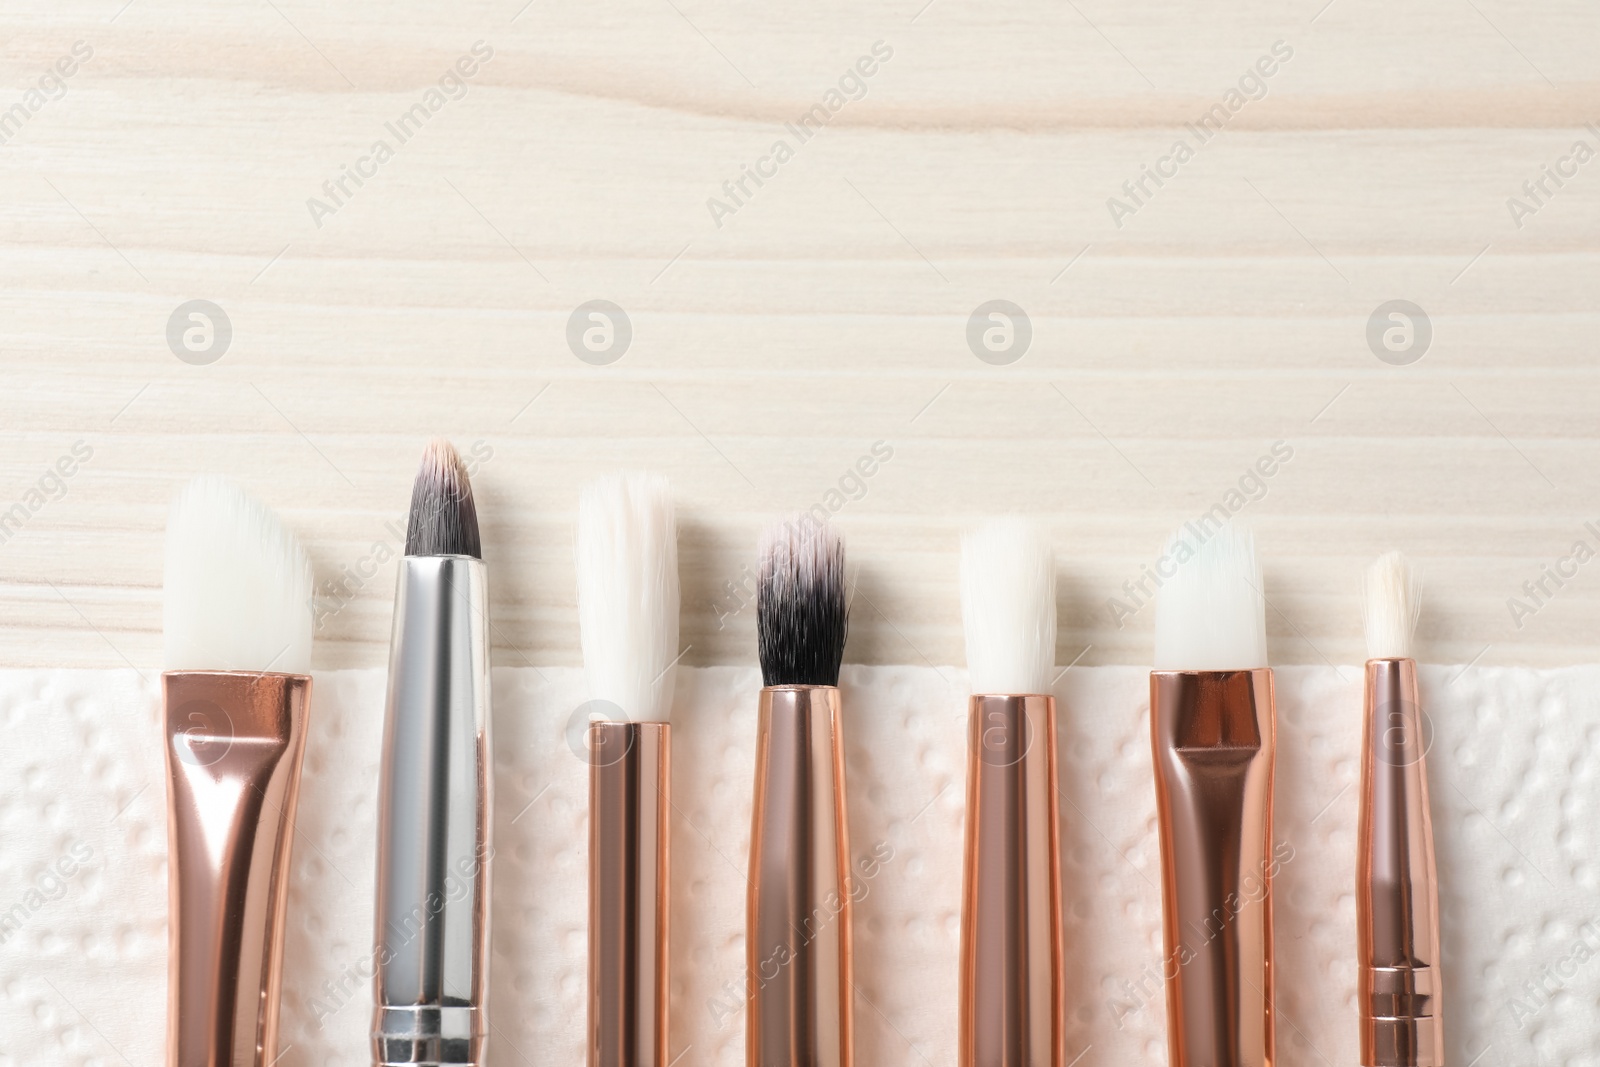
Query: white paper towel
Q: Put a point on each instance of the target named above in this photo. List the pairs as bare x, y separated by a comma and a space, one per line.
1513, 768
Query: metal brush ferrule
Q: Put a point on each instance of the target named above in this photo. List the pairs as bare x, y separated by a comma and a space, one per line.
1011, 952
432, 936
235, 741
1397, 884
630, 774
1213, 738
798, 935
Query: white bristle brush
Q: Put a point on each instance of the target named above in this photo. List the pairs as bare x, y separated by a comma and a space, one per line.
1392, 604
1211, 615
627, 556
237, 588
1008, 607
235, 695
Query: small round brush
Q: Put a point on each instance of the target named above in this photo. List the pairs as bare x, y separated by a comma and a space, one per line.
1011, 951
798, 940
627, 555
435, 786
1397, 883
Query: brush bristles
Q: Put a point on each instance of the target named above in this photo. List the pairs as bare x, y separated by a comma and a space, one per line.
628, 596
237, 588
443, 519
1393, 602
801, 615
1211, 614
1008, 607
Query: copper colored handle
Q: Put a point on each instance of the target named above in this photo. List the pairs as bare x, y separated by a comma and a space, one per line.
798, 937
1397, 884
1011, 1006
234, 745
629, 788
1213, 736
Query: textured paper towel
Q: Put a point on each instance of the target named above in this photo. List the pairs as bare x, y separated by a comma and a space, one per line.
1513, 768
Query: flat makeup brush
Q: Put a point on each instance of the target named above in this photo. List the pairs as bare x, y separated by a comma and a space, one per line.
435, 786
237, 631
627, 555
798, 920
1011, 1006
1212, 735
1397, 884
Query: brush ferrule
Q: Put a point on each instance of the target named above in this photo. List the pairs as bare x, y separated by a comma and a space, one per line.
235, 741
798, 925
1213, 737
432, 933
630, 775
1397, 883
1011, 952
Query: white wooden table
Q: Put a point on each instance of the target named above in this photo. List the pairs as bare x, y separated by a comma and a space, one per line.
777, 339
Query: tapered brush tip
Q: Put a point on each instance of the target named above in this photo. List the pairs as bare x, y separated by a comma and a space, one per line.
1393, 602
236, 593
1211, 615
443, 519
801, 613
627, 553
1008, 607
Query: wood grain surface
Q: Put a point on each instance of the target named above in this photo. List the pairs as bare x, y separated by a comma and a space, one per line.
196, 149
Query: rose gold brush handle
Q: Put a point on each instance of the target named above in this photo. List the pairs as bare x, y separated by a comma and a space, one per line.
1011, 1006
1397, 884
798, 936
629, 789
234, 745
1212, 733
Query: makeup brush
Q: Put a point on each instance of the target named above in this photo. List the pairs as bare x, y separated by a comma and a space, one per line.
1011, 952
1397, 883
436, 786
237, 624
798, 921
627, 554
1212, 735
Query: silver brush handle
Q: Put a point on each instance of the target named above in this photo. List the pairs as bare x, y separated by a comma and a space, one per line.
432, 936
